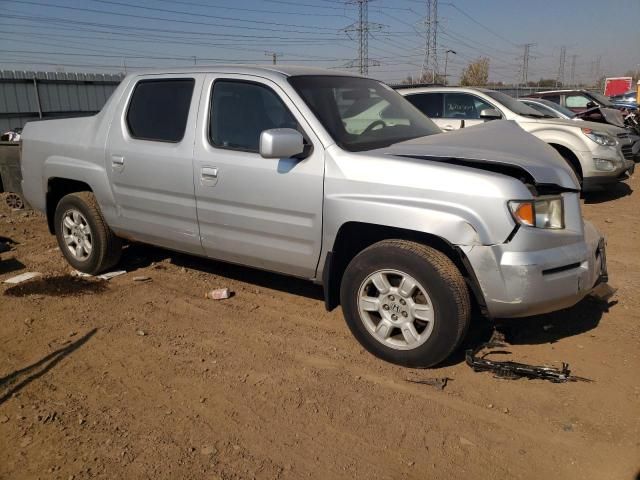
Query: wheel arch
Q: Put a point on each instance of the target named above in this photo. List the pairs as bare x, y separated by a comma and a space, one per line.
57, 188
568, 154
353, 237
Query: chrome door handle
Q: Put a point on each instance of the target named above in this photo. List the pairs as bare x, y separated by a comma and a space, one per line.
447, 128
117, 160
209, 172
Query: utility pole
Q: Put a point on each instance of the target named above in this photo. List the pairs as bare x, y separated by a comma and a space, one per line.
525, 62
195, 60
573, 69
430, 59
563, 56
446, 61
363, 28
274, 56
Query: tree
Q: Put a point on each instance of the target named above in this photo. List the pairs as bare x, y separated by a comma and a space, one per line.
476, 74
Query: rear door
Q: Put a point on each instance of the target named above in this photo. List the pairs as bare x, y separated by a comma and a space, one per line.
256, 211
463, 109
149, 161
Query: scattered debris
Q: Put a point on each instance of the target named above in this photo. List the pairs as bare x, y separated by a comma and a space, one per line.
142, 333
22, 278
104, 276
142, 279
218, 294
603, 292
513, 370
433, 382
466, 442
110, 275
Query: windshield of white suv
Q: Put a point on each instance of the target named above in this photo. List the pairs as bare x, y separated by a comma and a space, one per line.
514, 105
551, 105
360, 113
604, 101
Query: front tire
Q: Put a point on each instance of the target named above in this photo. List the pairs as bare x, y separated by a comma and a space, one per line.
405, 302
85, 239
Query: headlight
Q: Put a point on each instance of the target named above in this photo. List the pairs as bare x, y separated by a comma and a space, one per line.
541, 213
601, 138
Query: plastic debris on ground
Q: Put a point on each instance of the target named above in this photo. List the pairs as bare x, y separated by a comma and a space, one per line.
439, 383
218, 294
104, 276
513, 370
22, 278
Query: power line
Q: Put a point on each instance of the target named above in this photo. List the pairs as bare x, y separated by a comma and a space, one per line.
430, 59
363, 28
525, 62
560, 77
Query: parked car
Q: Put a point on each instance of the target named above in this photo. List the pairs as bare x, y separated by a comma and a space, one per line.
577, 100
403, 226
628, 139
626, 100
593, 154
549, 108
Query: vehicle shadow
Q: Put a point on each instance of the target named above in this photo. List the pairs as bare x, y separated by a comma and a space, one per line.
10, 265
613, 192
16, 381
536, 330
140, 256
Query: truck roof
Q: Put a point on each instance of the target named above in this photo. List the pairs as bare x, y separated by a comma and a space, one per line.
262, 70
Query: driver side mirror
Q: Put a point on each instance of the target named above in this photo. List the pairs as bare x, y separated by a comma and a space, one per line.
490, 114
591, 105
281, 143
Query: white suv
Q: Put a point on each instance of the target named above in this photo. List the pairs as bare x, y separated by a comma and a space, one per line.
593, 153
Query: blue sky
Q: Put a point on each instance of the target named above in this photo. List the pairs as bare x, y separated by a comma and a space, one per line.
111, 35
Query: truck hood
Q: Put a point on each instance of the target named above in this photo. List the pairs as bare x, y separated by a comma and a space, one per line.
500, 146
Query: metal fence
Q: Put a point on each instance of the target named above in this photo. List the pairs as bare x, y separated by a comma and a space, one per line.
26, 96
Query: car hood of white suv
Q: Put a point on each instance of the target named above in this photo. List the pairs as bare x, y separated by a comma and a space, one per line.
500, 146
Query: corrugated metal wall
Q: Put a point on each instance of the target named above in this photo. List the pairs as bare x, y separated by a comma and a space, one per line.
26, 96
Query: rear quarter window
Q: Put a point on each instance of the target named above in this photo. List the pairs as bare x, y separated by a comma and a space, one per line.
159, 109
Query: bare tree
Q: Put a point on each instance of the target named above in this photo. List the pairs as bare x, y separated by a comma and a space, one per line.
476, 73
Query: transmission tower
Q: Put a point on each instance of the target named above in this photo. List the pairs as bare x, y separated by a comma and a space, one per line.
563, 56
363, 29
430, 59
525, 62
573, 69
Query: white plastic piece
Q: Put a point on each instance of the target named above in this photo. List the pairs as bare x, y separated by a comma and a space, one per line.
22, 278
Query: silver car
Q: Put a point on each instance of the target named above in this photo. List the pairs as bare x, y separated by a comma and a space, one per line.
329, 177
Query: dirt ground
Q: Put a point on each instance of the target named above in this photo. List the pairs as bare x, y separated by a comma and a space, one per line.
127, 379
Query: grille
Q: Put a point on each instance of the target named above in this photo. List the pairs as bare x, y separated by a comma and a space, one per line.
627, 153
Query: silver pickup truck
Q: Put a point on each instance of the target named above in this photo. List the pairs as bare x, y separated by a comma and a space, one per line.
279, 168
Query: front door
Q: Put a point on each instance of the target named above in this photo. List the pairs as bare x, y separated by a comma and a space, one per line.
149, 161
256, 211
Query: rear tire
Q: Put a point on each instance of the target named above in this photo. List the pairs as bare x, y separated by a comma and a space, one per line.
85, 239
405, 302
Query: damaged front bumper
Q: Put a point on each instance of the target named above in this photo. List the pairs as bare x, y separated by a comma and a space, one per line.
518, 281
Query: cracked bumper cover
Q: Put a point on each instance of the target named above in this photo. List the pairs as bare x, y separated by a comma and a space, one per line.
523, 283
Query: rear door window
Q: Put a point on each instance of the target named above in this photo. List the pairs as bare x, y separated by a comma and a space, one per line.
428, 103
159, 109
463, 105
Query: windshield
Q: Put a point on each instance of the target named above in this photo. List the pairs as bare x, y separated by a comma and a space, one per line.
512, 104
553, 106
360, 113
604, 101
